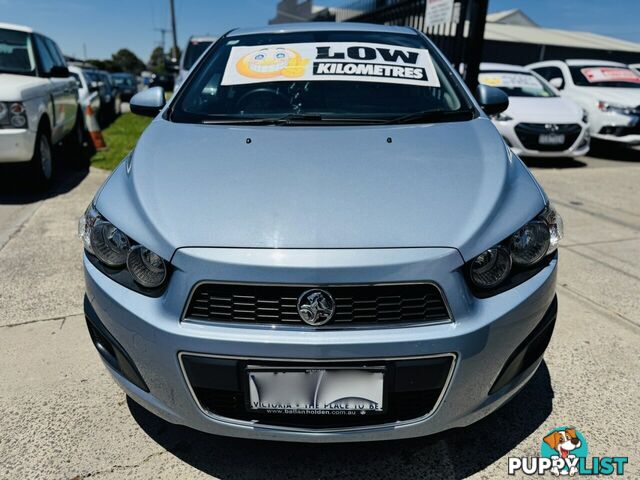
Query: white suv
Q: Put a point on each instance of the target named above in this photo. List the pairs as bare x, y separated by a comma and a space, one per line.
608, 91
38, 101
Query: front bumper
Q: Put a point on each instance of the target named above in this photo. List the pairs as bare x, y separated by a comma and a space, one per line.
482, 336
16, 144
577, 148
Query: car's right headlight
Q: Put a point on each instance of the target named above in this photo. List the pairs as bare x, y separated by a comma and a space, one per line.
13, 115
616, 108
119, 257
518, 257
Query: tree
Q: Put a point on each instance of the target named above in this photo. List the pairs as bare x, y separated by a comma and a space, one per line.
127, 61
156, 61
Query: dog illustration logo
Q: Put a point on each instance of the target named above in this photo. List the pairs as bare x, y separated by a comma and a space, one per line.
272, 62
565, 443
316, 307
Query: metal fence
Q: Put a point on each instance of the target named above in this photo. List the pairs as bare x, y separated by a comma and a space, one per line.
460, 39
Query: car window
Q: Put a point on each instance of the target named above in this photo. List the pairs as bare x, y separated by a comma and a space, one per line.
549, 72
16, 52
604, 76
330, 73
516, 84
57, 56
46, 60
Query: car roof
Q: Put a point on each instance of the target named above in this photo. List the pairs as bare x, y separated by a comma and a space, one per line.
321, 27
485, 66
13, 26
580, 61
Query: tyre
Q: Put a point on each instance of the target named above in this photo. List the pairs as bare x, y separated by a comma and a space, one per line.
74, 143
41, 164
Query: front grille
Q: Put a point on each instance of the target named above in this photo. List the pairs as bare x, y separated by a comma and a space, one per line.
529, 135
413, 388
277, 304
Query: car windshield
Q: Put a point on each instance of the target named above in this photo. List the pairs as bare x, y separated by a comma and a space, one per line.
16, 53
516, 84
604, 76
353, 76
193, 52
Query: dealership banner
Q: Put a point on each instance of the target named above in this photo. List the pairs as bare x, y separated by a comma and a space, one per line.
343, 61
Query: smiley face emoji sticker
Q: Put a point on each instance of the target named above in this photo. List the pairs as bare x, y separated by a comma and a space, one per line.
272, 62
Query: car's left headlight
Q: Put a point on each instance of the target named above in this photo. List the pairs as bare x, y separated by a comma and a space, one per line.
501, 117
119, 257
518, 257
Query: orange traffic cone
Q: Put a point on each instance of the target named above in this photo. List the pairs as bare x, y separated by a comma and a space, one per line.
94, 130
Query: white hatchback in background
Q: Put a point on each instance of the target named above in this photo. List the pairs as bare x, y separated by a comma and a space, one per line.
608, 91
87, 91
538, 122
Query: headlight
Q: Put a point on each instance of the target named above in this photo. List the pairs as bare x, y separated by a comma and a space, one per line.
13, 114
520, 255
147, 268
616, 108
501, 117
109, 244
491, 267
530, 243
119, 257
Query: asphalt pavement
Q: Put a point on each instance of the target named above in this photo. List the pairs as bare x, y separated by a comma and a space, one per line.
62, 417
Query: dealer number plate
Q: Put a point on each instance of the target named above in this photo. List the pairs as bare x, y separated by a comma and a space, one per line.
551, 139
307, 391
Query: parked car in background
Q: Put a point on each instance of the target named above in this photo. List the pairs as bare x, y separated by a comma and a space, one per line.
112, 105
164, 80
608, 91
196, 46
538, 122
38, 101
126, 83
87, 90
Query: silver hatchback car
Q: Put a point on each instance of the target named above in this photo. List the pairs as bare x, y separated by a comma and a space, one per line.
321, 238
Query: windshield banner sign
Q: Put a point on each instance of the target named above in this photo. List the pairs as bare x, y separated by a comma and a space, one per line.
342, 61
610, 74
510, 80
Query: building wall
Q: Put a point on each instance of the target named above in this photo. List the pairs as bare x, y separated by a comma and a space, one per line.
525, 53
290, 11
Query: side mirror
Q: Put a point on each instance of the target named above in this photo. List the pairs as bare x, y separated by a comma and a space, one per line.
557, 82
148, 102
58, 71
492, 99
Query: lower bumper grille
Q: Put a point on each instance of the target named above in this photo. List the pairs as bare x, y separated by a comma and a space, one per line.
620, 131
529, 136
276, 304
413, 389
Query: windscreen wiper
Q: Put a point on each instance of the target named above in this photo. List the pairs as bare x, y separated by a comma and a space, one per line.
432, 116
293, 119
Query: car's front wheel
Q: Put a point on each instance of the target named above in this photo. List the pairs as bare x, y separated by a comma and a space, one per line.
41, 164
